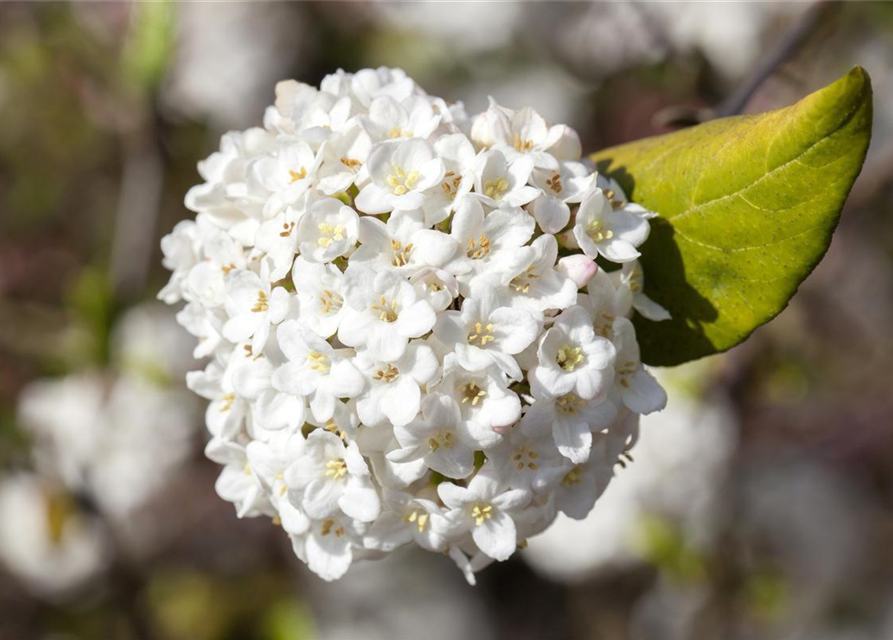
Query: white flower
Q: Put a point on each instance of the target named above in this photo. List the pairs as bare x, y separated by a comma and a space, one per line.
237, 483
458, 157
253, 304
573, 358
287, 175
444, 340
389, 119
482, 396
442, 438
484, 334
613, 233
384, 313
530, 280
320, 295
315, 370
404, 244
344, 161
226, 412
326, 476
328, 545
437, 286
485, 509
568, 184
327, 231
393, 388
641, 393
570, 420
486, 241
522, 132
400, 171
529, 463
497, 181
268, 461
278, 238
409, 518
630, 275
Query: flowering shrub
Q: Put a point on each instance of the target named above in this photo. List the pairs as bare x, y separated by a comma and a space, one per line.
409, 338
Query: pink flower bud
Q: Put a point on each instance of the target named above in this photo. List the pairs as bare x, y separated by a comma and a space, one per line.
578, 268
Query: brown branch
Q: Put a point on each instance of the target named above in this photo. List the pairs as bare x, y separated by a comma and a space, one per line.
814, 17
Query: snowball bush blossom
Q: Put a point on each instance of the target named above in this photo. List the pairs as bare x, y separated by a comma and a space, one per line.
409, 338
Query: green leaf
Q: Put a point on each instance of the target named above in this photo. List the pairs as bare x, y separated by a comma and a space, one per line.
747, 206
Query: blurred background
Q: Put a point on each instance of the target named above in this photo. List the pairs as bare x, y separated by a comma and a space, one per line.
759, 504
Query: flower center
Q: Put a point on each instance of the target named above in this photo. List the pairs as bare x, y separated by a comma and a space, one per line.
554, 183
319, 362
228, 399
472, 393
336, 469
521, 283
573, 477
287, 228
441, 439
569, 358
330, 300
400, 182
522, 145
328, 526
482, 334
297, 175
350, 163
451, 183
597, 231
524, 457
401, 253
262, 303
388, 374
569, 403
626, 370
616, 202
330, 233
387, 312
332, 427
477, 250
496, 188
397, 132
420, 518
481, 512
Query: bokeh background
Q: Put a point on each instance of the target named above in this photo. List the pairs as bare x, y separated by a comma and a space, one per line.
759, 504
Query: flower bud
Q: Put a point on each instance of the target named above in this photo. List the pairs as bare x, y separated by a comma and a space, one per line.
578, 268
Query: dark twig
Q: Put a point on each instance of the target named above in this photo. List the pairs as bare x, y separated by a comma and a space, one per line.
793, 41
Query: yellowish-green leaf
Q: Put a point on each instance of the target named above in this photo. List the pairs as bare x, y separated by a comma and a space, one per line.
747, 206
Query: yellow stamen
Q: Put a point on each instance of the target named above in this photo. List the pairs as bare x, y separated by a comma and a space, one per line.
336, 469
297, 175
319, 361
496, 188
386, 312
568, 357
472, 393
330, 233
262, 304
481, 512
482, 334
388, 374
477, 250
401, 183
596, 230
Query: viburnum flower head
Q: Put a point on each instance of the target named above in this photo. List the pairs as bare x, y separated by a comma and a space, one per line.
414, 330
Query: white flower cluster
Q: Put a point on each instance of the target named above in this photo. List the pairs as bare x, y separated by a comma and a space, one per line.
397, 351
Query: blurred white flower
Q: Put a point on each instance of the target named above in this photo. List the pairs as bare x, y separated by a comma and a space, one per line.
45, 539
